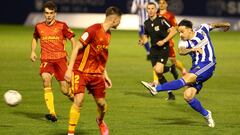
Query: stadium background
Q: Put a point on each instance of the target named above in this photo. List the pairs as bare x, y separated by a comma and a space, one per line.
132, 110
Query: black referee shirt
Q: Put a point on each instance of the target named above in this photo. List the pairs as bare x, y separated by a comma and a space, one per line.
157, 30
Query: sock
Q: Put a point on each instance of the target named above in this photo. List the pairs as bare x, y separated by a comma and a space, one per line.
196, 105
179, 65
161, 79
74, 116
147, 47
166, 69
155, 77
173, 85
48, 96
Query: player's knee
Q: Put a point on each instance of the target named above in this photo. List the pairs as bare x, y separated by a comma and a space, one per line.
187, 96
65, 90
102, 104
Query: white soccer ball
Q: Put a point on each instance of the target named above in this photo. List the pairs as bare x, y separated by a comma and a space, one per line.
12, 97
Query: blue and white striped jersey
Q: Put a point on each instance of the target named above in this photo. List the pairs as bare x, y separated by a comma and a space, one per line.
139, 6
201, 39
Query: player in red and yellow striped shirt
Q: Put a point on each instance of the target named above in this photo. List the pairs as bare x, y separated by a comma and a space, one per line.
88, 62
53, 35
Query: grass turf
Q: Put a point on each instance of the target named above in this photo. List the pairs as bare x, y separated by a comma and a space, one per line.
132, 110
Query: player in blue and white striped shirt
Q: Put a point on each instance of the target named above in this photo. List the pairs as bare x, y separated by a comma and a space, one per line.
198, 45
139, 6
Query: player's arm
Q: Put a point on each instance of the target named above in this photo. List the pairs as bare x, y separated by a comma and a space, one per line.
108, 81
171, 33
143, 40
33, 56
75, 50
134, 7
183, 50
73, 42
224, 25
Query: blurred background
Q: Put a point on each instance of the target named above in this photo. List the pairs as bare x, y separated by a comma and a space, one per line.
17, 11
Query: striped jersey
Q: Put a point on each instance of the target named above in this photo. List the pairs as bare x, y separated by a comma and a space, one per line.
139, 6
201, 39
93, 57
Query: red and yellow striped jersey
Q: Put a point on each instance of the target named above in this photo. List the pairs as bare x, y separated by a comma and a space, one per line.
93, 57
52, 39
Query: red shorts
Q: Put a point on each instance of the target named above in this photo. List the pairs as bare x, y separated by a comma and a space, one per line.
55, 67
95, 83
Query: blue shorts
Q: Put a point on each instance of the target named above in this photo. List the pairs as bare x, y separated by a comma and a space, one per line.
203, 71
141, 30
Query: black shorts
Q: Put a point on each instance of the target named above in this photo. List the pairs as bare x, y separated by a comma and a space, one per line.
159, 54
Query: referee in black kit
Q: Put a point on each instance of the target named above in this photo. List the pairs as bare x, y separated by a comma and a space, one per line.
160, 32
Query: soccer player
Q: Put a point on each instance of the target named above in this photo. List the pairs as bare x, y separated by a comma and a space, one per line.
139, 6
170, 17
160, 32
88, 61
198, 45
52, 35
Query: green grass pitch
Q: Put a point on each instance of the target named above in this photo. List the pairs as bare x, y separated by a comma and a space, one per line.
132, 110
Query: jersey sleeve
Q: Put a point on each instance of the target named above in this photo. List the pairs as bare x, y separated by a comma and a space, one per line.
87, 36
67, 32
182, 44
206, 27
36, 34
166, 24
145, 30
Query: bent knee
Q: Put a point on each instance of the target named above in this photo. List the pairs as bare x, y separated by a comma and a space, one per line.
187, 96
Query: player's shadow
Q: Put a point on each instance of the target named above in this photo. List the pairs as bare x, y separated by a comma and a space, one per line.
31, 115
140, 94
175, 121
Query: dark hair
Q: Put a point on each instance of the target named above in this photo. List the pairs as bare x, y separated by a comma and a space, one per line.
186, 23
50, 5
113, 11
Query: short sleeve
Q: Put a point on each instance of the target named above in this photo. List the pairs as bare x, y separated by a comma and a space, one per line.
145, 30
182, 44
87, 36
166, 24
206, 27
67, 32
36, 34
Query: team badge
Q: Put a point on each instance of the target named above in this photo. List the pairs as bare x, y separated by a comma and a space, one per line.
156, 28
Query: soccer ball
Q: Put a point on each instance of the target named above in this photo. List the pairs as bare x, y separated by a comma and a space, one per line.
12, 97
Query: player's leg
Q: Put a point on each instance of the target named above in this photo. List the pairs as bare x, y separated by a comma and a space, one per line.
66, 89
189, 96
159, 69
79, 89
46, 71
60, 68
98, 89
74, 114
48, 96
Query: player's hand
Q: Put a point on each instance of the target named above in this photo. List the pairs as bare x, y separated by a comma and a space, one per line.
33, 57
160, 43
140, 42
198, 50
227, 27
108, 82
68, 75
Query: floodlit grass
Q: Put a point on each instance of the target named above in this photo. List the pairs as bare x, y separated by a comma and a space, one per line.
132, 110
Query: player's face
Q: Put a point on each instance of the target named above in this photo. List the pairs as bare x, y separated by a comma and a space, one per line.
116, 21
162, 4
184, 32
49, 15
151, 10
